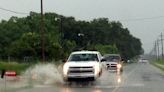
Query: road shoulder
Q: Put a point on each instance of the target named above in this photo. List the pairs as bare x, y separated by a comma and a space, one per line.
160, 66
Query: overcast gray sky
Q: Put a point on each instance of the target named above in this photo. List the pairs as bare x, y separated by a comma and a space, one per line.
124, 10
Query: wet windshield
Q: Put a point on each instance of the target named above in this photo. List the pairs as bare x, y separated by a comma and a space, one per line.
112, 58
84, 57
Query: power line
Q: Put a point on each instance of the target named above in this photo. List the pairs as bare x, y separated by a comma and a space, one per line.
12, 11
135, 19
128, 20
143, 19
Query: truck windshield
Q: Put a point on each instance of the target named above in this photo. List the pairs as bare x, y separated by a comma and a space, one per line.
112, 58
83, 57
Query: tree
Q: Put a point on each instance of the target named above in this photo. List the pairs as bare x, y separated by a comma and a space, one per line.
20, 37
107, 49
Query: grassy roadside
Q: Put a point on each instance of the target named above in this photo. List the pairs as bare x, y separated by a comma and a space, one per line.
158, 62
14, 66
20, 67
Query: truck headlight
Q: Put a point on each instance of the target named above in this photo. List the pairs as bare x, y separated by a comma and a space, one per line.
65, 69
97, 69
119, 66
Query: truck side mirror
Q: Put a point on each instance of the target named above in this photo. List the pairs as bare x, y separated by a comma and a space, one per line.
122, 60
3, 73
103, 60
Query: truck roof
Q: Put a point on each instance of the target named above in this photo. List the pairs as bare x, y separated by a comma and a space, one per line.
84, 52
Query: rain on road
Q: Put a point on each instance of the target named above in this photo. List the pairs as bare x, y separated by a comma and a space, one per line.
136, 77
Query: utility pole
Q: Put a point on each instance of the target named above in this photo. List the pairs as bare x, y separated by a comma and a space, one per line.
42, 33
156, 54
61, 30
162, 44
158, 49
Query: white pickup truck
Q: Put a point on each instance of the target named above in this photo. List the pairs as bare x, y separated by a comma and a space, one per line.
83, 64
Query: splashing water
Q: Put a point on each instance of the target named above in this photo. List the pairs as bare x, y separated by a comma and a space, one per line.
44, 74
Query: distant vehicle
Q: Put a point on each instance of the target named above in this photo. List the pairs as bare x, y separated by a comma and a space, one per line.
128, 61
143, 61
113, 62
83, 64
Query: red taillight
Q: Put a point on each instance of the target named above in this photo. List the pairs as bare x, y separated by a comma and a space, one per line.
10, 73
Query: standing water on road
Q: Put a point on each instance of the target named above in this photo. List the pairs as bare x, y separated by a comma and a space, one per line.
40, 75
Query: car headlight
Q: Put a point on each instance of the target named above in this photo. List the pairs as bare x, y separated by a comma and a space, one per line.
119, 65
65, 69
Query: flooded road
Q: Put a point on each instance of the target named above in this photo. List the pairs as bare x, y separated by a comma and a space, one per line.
136, 77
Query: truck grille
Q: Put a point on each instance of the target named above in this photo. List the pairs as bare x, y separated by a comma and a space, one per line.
81, 70
114, 64
111, 65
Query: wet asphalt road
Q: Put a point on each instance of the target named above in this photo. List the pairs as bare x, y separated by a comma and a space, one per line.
135, 78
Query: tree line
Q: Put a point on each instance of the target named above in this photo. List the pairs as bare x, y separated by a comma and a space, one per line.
20, 37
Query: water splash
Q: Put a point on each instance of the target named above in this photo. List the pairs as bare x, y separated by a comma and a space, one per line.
44, 74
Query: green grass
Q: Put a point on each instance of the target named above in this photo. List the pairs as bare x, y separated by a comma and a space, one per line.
160, 62
14, 66
154, 63
20, 67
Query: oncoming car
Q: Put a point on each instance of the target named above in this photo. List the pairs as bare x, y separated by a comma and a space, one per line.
83, 64
143, 61
113, 62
